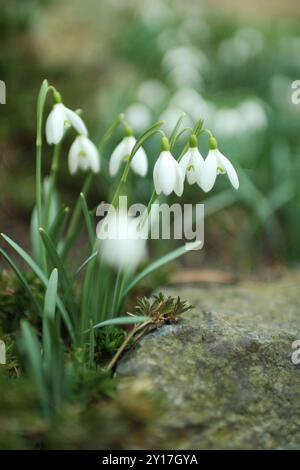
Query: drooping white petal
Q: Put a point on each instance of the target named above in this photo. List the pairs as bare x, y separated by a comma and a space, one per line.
185, 160
55, 124
209, 173
83, 154
230, 170
76, 121
167, 173
73, 158
192, 165
117, 158
92, 154
196, 163
178, 188
156, 176
139, 163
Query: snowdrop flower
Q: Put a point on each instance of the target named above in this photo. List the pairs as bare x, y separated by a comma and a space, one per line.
167, 173
122, 246
139, 163
216, 163
192, 163
83, 155
59, 118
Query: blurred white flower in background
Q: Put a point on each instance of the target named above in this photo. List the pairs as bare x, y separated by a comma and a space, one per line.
138, 116
171, 116
289, 49
185, 65
253, 114
246, 44
153, 93
192, 103
139, 163
83, 155
228, 123
248, 117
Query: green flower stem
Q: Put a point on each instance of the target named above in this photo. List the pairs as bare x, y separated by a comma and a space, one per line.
52, 180
39, 130
149, 133
73, 229
127, 340
117, 292
38, 164
109, 133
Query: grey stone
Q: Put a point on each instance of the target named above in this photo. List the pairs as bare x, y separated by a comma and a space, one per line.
225, 370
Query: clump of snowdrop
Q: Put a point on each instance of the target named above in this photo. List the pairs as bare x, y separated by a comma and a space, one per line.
167, 174
216, 163
73, 306
112, 255
121, 154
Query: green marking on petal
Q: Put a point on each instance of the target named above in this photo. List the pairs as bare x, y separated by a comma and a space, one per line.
220, 170
190, 168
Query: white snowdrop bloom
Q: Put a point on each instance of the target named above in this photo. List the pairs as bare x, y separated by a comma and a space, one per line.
214, 164
59, 118
192, 163
167, 173
190, 101
139, 163
83, 155
121, 244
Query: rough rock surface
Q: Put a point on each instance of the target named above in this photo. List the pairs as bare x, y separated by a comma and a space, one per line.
226, 370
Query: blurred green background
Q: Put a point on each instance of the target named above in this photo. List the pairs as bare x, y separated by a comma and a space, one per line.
227, 62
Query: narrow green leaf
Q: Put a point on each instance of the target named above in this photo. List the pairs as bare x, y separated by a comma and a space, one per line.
37, 270
109, 133
88, 220
51, 295
173, 135
58, 224
74, 226
55, 259
86, 262
120, 321
32, 348
156, 265
152, 130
